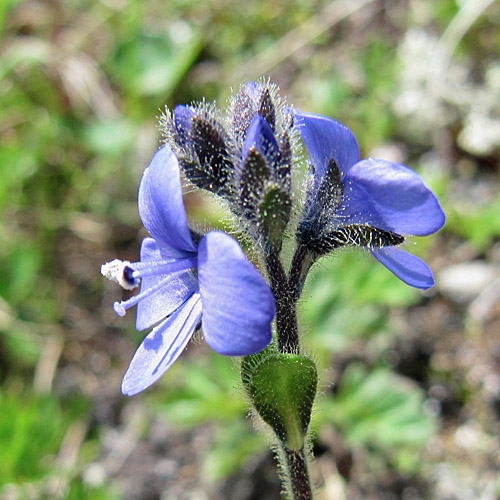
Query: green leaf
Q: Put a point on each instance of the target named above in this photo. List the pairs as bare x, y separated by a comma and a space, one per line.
343, 299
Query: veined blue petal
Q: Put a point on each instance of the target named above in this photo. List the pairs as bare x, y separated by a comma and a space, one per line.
162, 347
238, 305
389, 196
174, 291
326, 139
160, 202
261, 137
408, 268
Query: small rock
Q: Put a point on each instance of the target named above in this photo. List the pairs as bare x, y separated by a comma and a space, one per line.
464, 282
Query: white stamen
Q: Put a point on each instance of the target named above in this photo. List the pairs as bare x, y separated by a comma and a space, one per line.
119, 309
115, 270
163, 267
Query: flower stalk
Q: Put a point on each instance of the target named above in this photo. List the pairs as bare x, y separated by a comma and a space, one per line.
297, 473
287, 331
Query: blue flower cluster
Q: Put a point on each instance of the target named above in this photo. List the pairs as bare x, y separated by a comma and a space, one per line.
246, 157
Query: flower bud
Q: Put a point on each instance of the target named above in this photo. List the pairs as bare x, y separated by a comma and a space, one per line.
274, 213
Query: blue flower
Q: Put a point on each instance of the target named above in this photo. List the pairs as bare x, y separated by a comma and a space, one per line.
369, 202
184, 283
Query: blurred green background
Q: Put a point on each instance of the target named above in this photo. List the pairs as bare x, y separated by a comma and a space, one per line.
410, 381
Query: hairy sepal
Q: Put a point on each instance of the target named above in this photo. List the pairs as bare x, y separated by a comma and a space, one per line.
273, 215
282, 388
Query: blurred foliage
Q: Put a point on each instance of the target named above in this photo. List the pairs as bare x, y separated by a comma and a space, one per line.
30, 431
346, 301
81, 85
479, 225
232, 447
209, 392
382, 411
202, 392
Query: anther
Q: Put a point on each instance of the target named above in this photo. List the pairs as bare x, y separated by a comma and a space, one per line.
120, 272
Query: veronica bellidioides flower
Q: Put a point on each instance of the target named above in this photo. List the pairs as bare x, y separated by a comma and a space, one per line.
184, 283
370, 203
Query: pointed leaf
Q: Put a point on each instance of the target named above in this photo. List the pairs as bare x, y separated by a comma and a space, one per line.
282, 387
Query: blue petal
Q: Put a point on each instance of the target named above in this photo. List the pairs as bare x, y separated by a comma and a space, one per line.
261, 137
160, 202
326, 139
162, 347
182, 122
238, 305
408, 268
167, 299
390, 196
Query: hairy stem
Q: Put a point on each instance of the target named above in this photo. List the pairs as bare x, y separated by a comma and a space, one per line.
286, 309
296, 472
301, 263
286, 290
